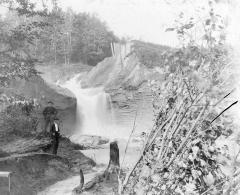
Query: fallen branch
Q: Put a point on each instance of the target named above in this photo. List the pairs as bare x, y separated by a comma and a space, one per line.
79, 188
185, 82
218, 102
224, 111
187, 136
133, 129
146, 147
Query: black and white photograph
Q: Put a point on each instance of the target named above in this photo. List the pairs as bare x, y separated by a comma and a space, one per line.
119, 97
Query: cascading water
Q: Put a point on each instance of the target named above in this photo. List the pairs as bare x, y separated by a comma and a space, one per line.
95, 115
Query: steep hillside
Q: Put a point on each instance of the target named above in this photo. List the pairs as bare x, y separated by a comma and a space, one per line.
123, 70
125, 77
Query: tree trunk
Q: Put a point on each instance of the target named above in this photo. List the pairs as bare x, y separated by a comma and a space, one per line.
114, 155
113, 166
111, 173
65, 52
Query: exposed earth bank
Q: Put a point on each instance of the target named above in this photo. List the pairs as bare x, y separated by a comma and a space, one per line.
34, 168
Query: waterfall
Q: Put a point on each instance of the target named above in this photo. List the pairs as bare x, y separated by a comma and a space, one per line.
95, 115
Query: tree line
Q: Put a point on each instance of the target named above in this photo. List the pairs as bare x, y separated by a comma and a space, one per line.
71, 38
52, 35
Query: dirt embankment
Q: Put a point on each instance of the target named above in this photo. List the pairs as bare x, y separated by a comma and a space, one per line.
34, 168
37, 88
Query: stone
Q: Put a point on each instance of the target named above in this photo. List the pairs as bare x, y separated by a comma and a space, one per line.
90, 141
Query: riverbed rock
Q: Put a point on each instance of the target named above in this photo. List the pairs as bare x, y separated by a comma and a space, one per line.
90, 141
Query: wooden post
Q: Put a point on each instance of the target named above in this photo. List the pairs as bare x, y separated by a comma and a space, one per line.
7, 175
9, 184
112, 48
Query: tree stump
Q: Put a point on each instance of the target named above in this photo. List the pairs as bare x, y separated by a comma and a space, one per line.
113, 166
110, 174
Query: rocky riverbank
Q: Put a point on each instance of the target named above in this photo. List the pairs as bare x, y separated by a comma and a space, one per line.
101, 157
34, 168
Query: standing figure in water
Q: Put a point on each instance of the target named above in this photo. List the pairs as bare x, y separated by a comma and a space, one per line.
49, 113
55, 134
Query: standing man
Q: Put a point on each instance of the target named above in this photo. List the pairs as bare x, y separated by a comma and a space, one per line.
55, 134
49, 113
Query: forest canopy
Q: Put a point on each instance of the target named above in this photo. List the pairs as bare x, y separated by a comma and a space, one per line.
51, 35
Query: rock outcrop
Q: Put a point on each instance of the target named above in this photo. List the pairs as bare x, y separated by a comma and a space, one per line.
36, 88
122, 70
125, 78
90, 141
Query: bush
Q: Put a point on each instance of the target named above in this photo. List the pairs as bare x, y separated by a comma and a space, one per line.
151, 55
181, 154
19, 118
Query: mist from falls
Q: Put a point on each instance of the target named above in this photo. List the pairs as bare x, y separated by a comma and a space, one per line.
95, 115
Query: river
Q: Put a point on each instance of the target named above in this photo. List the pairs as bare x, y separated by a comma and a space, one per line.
96, 116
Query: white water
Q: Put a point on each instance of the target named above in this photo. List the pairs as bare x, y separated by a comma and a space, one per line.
101, 157
95, 115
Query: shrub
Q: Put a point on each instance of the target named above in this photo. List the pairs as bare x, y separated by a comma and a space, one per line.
181, 155
19, 118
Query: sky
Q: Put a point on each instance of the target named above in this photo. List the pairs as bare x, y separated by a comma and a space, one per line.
145, 20
140, 19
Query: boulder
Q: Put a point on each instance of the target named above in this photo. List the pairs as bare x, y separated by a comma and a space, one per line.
122, 70
90, 141
36, 88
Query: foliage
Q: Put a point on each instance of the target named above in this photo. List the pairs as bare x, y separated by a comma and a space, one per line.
92, 39
149, 54
74, 38
19, 118
181, 155
17, 35
29, 36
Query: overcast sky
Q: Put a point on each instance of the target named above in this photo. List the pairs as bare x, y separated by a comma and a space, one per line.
147, 19
140, 19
